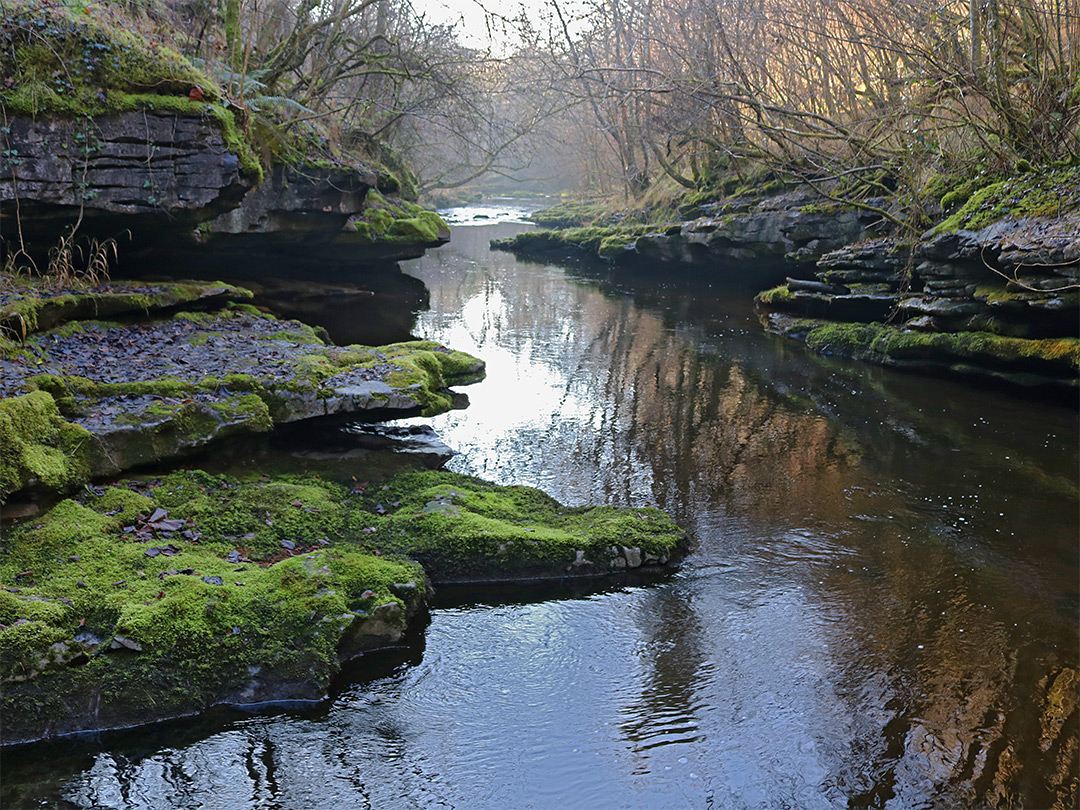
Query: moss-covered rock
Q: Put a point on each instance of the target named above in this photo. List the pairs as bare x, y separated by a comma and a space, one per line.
395, 221
152, 599
576, 214
31, 304
1052, 193
462, 528
1053, 361
69, 61
38, 446
168, 621
610, 243
117, 395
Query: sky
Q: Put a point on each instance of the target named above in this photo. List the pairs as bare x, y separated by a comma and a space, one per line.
470, 18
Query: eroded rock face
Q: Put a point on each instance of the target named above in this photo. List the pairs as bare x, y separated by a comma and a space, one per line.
300, 201
1002, 301
135, 163
1016, 277
780, 228
298, 224
169, 189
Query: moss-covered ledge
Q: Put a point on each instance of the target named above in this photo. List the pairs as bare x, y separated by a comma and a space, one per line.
147, 600
1031, 362
113, 396
464, 529
610, 243
31, 304
122, 609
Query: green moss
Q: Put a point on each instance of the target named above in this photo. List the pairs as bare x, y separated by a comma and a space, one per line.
608, 243
424, 228
824, 208
1063, 353
200, 318
64, 387
396, 222
195, 617
250, 408
1047, 193
37, 547
61, 61
231, 599
774, 296
42, 448
970, 352
570, 214
461, 526
34, 304
123, 502
960, 193
247, 309
296, 333
855, 339
25, 647
38, 446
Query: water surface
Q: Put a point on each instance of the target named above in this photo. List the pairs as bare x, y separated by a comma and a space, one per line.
882, 587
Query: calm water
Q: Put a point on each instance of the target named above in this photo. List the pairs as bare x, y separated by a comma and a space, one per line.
884, 577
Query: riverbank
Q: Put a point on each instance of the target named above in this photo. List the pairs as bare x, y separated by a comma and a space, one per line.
991, 291
144, 599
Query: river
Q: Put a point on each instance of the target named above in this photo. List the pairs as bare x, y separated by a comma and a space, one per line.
881, 590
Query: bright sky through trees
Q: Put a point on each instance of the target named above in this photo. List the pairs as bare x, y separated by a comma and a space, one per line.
470, 18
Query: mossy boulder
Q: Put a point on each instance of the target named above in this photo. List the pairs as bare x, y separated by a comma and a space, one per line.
39, 447
116, 611
464, 529
146, 600
394, 222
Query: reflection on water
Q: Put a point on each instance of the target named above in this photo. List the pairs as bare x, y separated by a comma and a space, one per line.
880, 608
